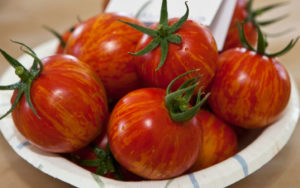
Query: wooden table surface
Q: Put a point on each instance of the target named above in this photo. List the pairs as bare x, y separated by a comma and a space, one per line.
23, 20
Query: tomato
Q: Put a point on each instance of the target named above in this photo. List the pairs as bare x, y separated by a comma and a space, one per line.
103, 43
219, 141
240, 14
197, 51
249, 90
172, 47
70, 103
244, 13
146, 141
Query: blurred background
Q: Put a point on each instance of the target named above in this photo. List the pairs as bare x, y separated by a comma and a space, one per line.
23, 21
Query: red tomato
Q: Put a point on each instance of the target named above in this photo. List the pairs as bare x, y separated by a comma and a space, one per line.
103, 43
71, 103
240, 14
219, 141
249, 90
145, 140
197, 50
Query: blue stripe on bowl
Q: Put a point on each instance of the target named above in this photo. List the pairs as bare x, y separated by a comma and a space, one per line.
194, 181
98, 180
243, 163
23, 144
168, 183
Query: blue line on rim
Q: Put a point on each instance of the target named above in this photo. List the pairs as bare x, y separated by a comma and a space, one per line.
194, 181
23, 144
243, 163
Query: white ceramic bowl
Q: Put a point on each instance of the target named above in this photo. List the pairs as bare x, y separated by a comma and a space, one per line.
257, 148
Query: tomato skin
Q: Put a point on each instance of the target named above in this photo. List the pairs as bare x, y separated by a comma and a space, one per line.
249, 90
232, 39
71, 103
198, 50
145, 140
219, 141
103, 43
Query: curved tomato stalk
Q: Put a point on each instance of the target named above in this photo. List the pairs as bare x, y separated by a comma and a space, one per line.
62, 42
163, 35
27, 77
57, 35
178, 102
262, 43
105, 162
252, 14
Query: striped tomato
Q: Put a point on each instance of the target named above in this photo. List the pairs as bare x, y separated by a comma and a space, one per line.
243, 12
172, 47
197, 50
219, 141
146, 141
251, 88
155, 133
60, 106
240, 14
103, 43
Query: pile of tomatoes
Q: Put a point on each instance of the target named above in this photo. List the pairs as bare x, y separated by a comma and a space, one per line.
112, 109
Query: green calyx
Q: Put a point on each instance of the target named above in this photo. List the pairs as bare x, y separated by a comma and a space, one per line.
262, 43
163, 35
252, 14
178, 102
27, 77
105, 162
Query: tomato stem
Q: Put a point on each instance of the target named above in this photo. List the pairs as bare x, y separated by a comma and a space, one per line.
178, 102
252, 14
27, 77
57, 35
105, 162
163, 35
262, 43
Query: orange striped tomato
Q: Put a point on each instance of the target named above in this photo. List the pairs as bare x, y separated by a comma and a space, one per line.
240, 14
71, 104
145, 140
103, 43
197, 50
219, 141
249, 90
